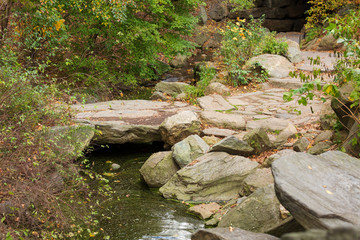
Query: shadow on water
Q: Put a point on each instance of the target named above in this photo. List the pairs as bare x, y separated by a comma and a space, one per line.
139, 212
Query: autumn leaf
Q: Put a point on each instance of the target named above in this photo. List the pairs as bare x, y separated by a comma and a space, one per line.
58, 24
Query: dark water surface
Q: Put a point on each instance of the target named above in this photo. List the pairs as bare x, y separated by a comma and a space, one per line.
139, 213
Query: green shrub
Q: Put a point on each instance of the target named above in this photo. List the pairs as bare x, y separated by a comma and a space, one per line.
241, 41
206, 75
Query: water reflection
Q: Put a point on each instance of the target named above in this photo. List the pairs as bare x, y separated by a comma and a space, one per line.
139, 213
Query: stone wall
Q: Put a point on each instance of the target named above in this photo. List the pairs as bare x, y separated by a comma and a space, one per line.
280, 15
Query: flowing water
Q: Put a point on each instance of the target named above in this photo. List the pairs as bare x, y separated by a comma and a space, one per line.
139, 212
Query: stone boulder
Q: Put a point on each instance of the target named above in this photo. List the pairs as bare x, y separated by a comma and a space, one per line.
229, 234
319, 148
328, 43
225, 120
157, 95
289, 132
216, 176
268, 161
215, 103
319, 191
258, 139
202, 16
293, 52
179, 126
301, 145
217, 88
187, 150
233, 145
277, 66
171, 88
262, 177
259, 212
205, 211
219, 11
321, 234
158, 169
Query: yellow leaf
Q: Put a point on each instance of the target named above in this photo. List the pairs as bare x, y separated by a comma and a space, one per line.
328, 192
58, 24
309, 167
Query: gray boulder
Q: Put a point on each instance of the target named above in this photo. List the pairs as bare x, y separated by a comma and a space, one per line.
301, 145
258, 139
324, 136
293, 52
177, 127
277, 66
225, 120
319, 148
262, 177
229, 234
233, 145
159, 95
268, 161
158, 169
171, 88
338, 233
319, 191
289, 132
216, 176
259, 212
214, 102
202, 16
328, 43
217, 88
187, 150
219, 11
205, 211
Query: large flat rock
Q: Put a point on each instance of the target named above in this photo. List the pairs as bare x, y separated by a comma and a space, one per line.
123, 121
214, 102
216, 176
319, 191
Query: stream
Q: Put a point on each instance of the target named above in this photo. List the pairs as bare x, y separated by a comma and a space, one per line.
139, 213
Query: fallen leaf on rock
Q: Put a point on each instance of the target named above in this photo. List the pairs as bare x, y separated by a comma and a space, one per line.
329, 192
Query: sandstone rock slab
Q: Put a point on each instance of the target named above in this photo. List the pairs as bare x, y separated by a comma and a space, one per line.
319, 191
216, 176
214, 102
233, 145
218, 119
